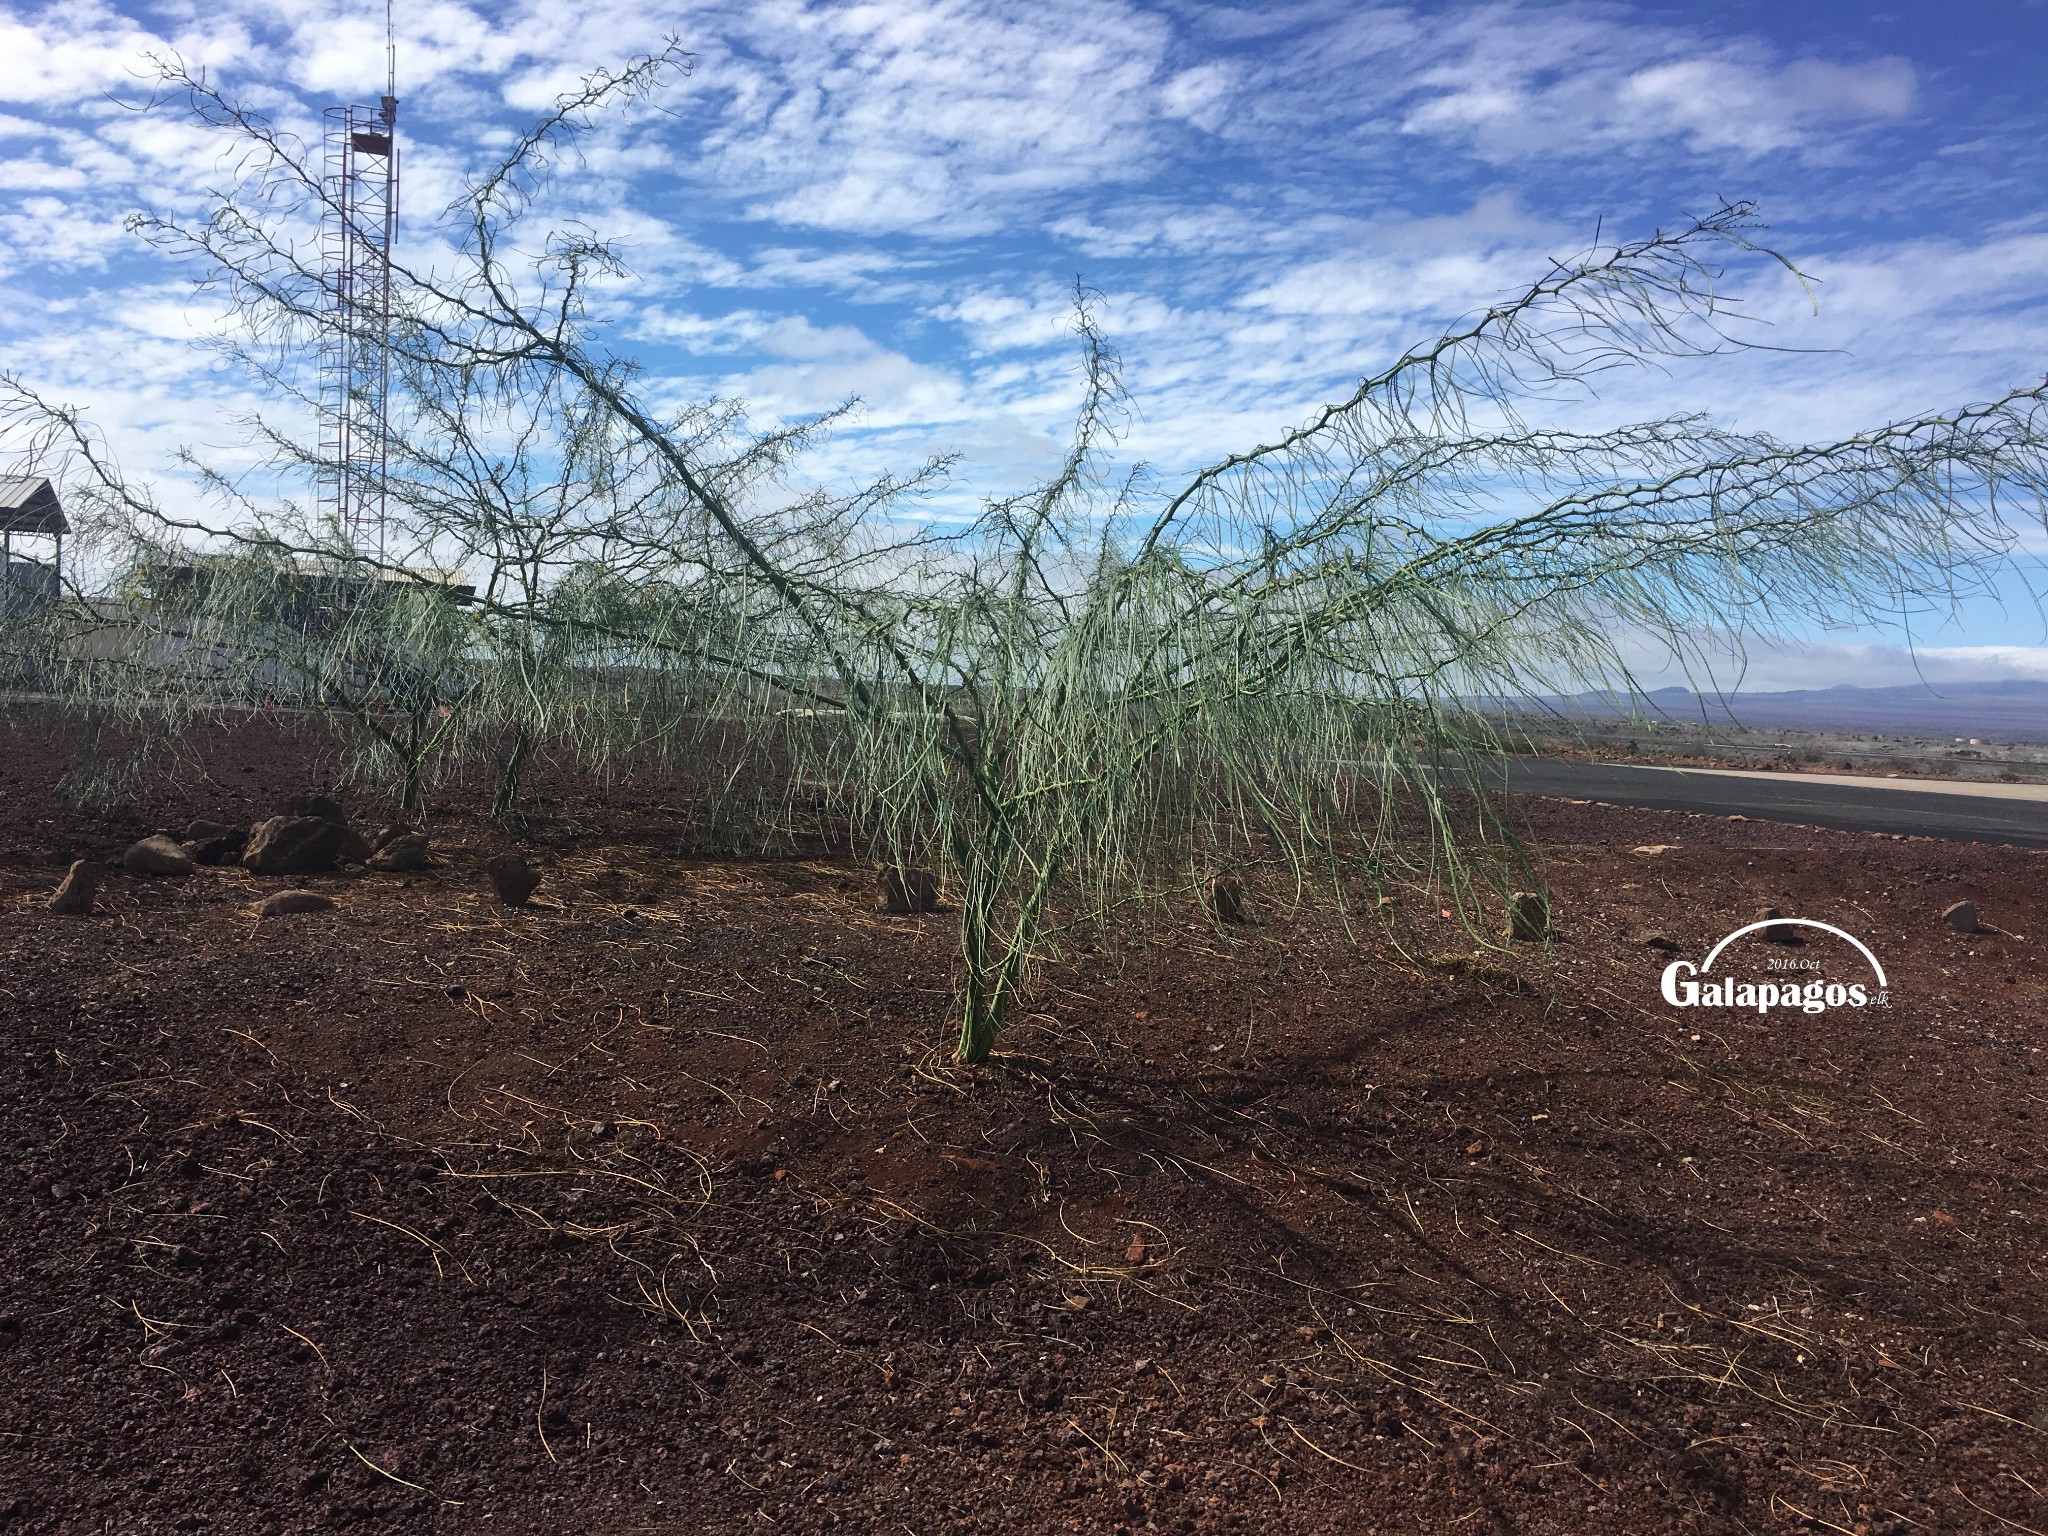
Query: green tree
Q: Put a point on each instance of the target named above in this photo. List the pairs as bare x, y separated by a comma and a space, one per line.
1116, 684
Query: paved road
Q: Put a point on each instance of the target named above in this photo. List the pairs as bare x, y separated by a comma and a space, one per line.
1979, 813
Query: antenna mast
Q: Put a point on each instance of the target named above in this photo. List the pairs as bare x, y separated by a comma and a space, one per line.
359, 225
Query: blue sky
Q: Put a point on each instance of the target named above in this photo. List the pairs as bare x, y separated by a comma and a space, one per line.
895, 200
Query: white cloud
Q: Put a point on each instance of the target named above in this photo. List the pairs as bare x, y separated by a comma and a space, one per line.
1753, 106
935, 117
39, 175
68, 52
1774, 664
1518, 81
893, 200
1199, 94
1956, 663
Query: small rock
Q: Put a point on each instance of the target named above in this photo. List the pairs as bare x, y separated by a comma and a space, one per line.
293, 845
1662, 941
1782, 932
512, 878
1226, 896
80, 885
386, 834
215, 850
1528, 917
353, 848
320, 807
1651, 850
157, 855
396, 855
286, 903
904, 891
1962, 917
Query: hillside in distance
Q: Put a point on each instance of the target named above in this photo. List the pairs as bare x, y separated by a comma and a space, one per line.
2006, 711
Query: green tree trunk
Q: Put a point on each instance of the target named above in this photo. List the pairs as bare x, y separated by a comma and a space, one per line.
508, 775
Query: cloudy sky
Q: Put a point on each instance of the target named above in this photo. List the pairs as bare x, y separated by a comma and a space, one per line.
895, 200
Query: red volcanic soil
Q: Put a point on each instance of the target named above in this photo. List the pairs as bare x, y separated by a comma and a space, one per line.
657, 1207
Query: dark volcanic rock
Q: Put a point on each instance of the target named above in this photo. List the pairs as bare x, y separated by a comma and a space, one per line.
322, 806
286, 903
1780, 931
293, 845
215, 850
407, 851
1226, 893
1962, 917
214, 842
904, 891
1528, 917
353, 848
512, 878
157, 855
80, 885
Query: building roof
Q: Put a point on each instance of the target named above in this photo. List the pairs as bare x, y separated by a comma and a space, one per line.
453, 578
327, 571
28, 504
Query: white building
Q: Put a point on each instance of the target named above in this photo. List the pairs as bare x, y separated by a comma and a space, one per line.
30, 517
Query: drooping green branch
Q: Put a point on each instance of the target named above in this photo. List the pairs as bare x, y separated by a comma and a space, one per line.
1108, 686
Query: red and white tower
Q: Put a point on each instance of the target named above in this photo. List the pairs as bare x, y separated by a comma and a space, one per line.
358, 227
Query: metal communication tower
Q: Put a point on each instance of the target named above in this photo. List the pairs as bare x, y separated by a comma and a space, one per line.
358, 227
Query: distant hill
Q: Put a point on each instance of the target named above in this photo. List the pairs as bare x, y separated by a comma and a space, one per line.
1992, 712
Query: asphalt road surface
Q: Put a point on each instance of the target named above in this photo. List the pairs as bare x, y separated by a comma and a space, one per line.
1966, 812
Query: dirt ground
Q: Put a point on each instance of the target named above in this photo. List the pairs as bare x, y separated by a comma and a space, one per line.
657, 1208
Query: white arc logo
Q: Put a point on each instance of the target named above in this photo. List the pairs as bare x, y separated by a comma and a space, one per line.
1685, 985
1803, 922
